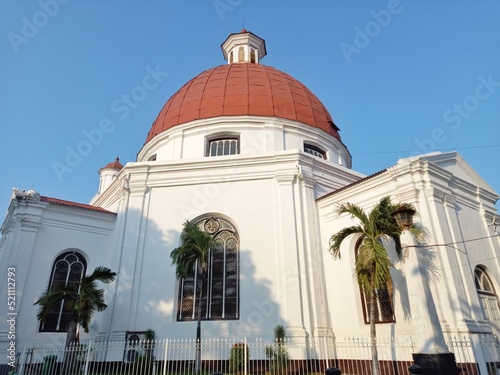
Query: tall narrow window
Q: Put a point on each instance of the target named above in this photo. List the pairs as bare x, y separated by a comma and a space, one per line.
488, 298
226, 146
220, 292
68, 269
241, 54
384, 307
252, 55
231, 57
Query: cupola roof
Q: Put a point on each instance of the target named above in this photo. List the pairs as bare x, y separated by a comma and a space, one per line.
114, 165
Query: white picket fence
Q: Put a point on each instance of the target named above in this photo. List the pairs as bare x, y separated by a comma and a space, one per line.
475, 354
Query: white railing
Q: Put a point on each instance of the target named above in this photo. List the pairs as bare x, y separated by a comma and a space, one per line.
476, 354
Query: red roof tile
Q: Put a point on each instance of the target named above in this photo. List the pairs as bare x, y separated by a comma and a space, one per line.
115, 165
72, 204
243, 89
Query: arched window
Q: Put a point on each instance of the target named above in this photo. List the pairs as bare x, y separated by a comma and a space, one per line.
384, 306
68, 269
231, 57
220, 297
241, 54
488, 298
252, 55
315, 151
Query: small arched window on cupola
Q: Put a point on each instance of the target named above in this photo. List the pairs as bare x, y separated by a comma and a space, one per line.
252, 55
231, 57
241, 54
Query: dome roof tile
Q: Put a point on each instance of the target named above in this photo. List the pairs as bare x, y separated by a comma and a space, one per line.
243, 89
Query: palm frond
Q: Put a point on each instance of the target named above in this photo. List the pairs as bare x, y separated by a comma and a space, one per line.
193, 250
81, 299
102, 274
354, 211
337, 239
54, 297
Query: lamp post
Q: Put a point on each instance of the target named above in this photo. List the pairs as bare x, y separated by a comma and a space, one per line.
432, 356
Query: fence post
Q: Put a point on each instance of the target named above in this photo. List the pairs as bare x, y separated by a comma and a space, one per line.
22, 362
245, 352
87, 358
28, 353
478, 354
165, 358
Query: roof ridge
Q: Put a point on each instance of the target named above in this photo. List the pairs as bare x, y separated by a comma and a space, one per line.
68, 203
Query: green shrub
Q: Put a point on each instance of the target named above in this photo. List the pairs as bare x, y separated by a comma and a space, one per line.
237, 356
278, 353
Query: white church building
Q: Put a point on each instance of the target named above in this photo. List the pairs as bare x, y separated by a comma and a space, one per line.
254, 157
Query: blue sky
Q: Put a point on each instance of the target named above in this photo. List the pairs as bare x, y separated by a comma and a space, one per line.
398, 77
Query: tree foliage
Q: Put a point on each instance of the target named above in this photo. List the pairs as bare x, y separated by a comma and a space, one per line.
81, 300
278, 353
192, 252
372, 266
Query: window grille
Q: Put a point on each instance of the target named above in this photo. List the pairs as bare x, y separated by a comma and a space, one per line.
219, 147
315, 151
68, 269
384, 305
220, 290
488, 298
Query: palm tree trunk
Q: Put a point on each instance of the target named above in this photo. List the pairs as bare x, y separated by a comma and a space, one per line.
71, 336
70, 356
198, 331
373, 331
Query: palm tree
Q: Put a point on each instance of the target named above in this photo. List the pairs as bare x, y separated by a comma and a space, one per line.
372, 267
191, 258
80, 300
278, 354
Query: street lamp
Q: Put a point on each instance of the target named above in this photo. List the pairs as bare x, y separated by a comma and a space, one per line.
404, 216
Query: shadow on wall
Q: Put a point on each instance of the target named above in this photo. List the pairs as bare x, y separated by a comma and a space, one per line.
147, 290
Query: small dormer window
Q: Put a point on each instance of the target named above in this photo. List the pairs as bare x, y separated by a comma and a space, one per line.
225, 146
315, 151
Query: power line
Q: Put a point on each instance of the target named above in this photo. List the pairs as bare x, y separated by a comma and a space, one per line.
455, 243
450, 244
410, 151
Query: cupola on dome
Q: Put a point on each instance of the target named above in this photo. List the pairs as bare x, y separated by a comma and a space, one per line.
243, 87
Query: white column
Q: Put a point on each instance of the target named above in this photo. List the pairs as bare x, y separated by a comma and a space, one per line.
419, 268
290, 275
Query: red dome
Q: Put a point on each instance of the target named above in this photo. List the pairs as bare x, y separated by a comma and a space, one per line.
243, 89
